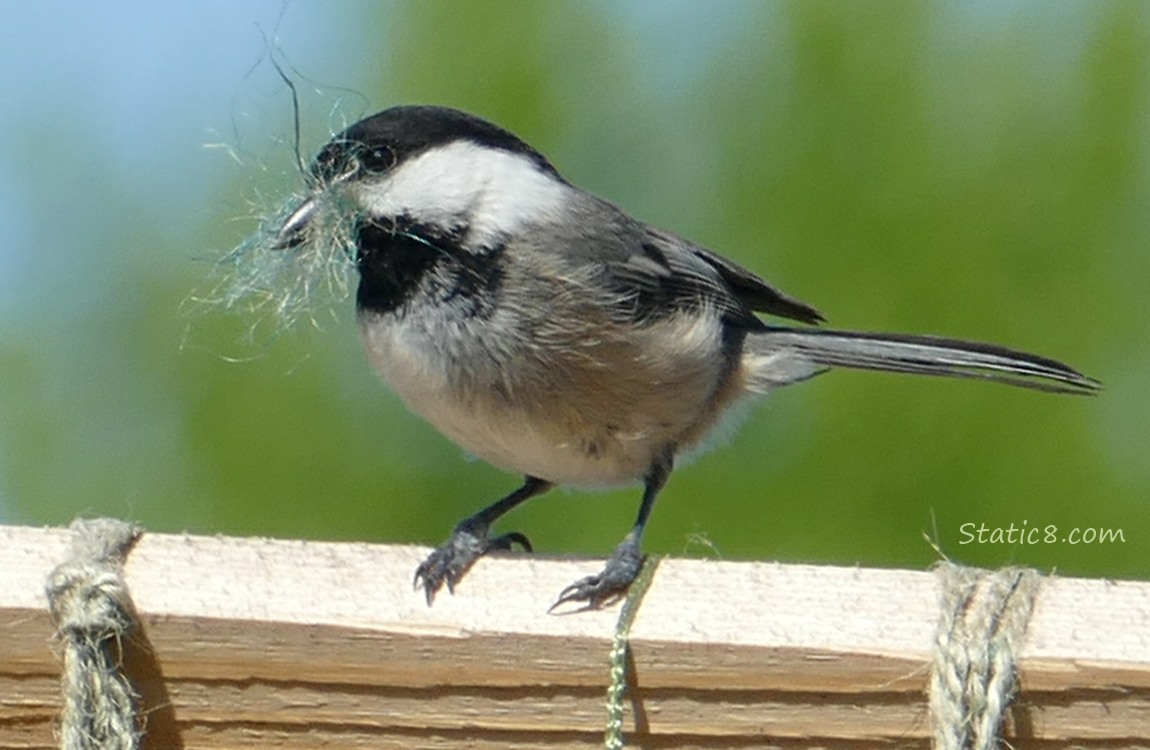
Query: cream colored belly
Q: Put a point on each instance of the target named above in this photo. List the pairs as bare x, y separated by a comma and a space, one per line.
580, 423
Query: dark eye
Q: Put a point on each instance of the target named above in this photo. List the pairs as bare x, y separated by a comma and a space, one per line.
377, 159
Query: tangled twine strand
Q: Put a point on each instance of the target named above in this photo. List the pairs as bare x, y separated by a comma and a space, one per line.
93, 612
983, 619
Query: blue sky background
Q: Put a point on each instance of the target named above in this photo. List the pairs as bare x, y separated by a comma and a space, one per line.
139, 89
122, 98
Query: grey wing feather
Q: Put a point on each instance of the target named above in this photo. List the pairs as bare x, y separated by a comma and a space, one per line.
756, 293
667, 273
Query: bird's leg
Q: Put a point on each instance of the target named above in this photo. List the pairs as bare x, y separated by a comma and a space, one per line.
626, 561
469, 541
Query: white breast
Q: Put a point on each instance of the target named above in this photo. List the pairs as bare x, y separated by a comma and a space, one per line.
586, 425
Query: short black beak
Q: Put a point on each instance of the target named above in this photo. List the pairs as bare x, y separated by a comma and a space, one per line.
294, 229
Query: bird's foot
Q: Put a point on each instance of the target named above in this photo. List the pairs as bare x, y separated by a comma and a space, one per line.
452, 559
611, 584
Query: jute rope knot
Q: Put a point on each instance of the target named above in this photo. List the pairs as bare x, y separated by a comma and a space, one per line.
90, 605
983, 620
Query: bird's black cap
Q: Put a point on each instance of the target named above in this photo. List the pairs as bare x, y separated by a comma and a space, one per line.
390, 137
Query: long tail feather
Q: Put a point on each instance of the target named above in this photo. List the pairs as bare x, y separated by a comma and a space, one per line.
788, 355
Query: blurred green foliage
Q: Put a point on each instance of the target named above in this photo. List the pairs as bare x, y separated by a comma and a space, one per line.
973, 170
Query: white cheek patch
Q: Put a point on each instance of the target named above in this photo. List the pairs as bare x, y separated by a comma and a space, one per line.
495, 193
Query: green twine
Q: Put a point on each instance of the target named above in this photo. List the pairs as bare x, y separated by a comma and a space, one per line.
620, 649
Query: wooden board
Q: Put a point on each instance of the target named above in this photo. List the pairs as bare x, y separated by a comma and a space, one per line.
269, 643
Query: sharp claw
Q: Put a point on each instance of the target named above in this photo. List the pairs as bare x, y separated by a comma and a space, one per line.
448, 563
610, 585
420, 572
506, 541
424, 578
570, 594
594, 591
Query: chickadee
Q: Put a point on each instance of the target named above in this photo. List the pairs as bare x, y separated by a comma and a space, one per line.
547, 332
